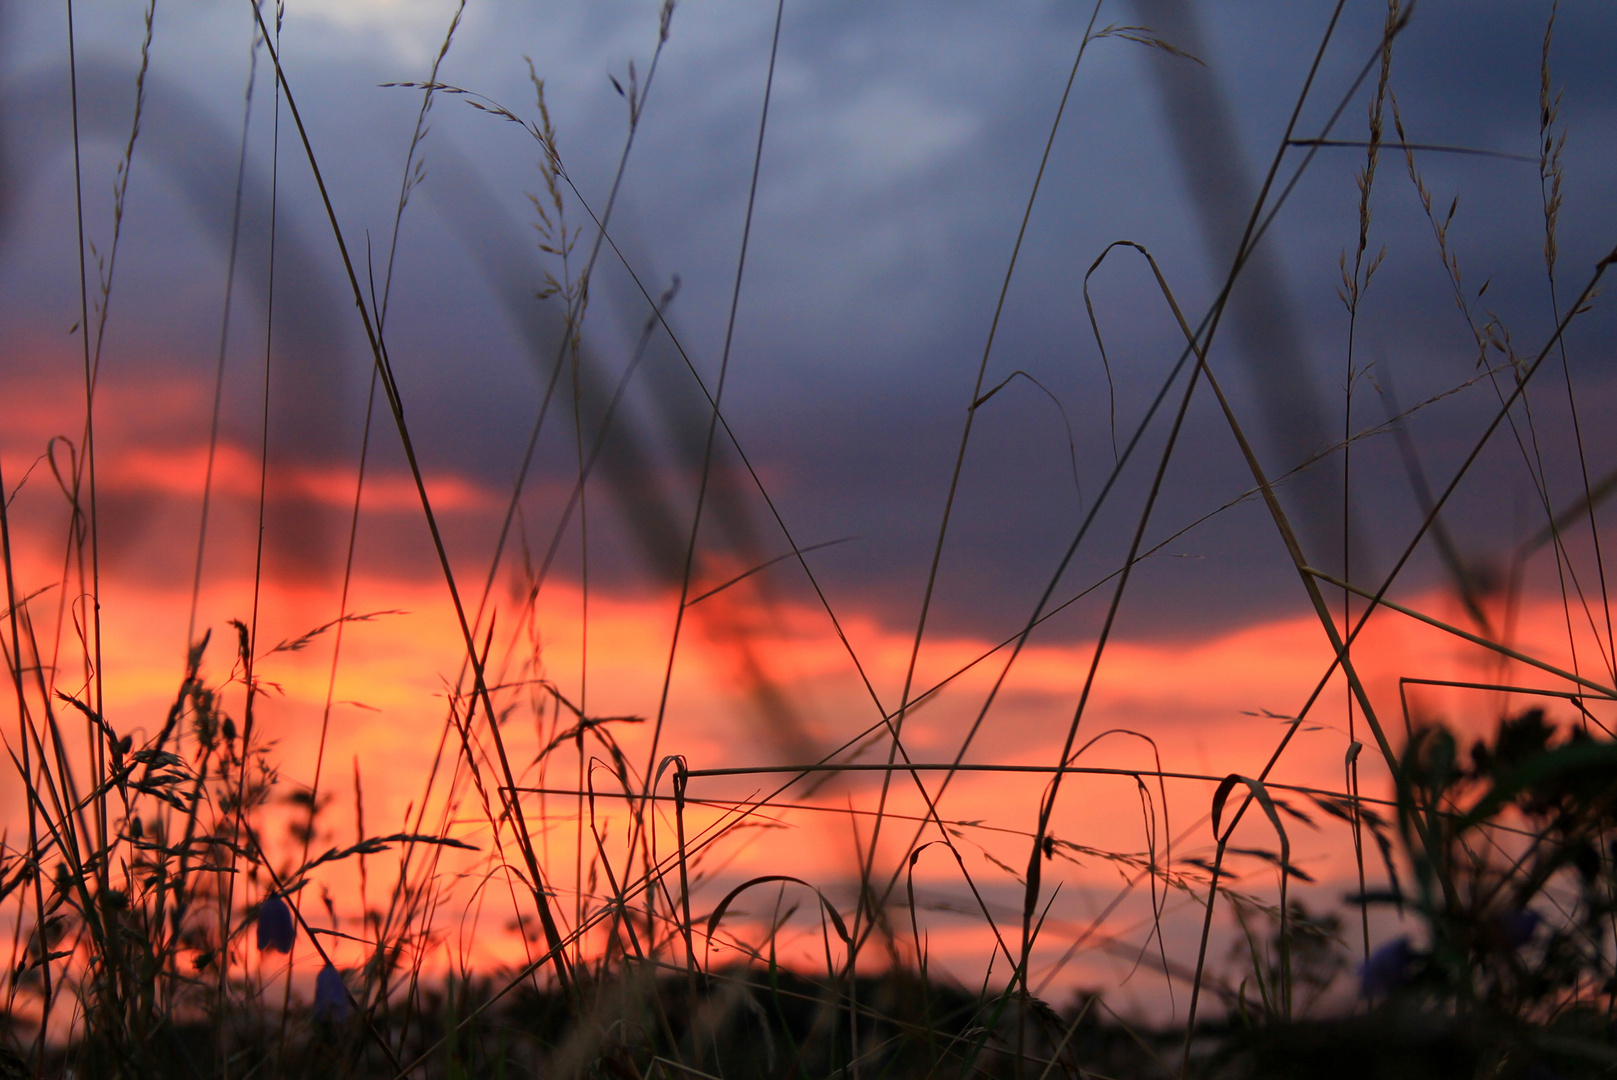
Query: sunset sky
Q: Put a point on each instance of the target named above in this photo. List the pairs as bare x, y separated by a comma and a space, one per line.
901, 145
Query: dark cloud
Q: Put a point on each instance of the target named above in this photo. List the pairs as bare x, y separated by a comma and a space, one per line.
903, 141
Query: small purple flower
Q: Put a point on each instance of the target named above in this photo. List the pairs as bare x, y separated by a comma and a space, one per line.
331, 996
1386, 970
1516, 926
276, 931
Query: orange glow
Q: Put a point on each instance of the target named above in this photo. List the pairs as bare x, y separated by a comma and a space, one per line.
236, 473
1208, 708
1202, 703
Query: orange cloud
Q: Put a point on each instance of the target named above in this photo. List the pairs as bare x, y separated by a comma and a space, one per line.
1202, 703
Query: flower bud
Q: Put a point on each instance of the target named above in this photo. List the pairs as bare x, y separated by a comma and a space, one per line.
1386, 970
276, 931
331, 996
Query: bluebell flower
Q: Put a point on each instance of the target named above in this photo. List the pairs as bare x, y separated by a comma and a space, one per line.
276, 931
1515, 927
1387, 969
331, 996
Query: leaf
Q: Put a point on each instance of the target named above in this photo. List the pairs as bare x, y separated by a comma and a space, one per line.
375, 845
1292, 811
1017, 877
724, 905
1225, 786
1550, 765
1261, 794
1203, 864
1275, 860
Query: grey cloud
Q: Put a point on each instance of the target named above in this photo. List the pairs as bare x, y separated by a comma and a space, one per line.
897, 163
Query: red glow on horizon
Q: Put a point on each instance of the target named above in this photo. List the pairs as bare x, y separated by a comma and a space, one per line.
1204, 704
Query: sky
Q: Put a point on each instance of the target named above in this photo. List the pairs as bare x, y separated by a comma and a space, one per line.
901, 145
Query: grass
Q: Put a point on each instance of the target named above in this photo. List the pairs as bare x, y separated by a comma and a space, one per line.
170, 894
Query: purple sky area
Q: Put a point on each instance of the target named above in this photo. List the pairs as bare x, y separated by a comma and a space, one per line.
902, 143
